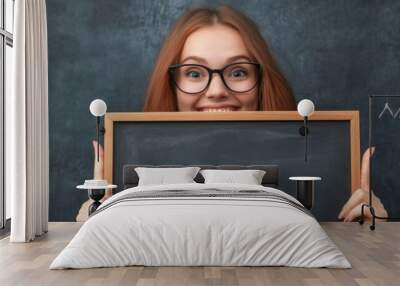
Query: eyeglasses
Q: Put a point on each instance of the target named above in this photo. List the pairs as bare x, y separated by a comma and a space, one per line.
237, 77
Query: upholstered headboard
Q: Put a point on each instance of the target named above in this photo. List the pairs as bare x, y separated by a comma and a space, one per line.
271, 178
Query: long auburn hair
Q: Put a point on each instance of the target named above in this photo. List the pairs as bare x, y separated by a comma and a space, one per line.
274, 90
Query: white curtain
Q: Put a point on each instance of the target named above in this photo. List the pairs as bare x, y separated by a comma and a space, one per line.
28, 123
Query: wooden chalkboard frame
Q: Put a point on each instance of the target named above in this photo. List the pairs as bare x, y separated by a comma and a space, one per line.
348, 115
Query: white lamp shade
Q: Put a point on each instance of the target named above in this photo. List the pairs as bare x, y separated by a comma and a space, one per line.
98, 107
305, 107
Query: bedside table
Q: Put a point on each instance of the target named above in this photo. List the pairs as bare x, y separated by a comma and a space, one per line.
96, 191
305, 190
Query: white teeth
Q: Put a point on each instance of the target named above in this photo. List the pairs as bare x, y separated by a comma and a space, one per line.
225, 109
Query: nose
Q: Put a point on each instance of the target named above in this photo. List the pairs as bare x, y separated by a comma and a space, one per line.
217, 90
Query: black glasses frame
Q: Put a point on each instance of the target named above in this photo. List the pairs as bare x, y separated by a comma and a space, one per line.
172, 69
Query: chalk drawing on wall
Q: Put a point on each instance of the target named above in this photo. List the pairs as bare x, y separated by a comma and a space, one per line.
388, 109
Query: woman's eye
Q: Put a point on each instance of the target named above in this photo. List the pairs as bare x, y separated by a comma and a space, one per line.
239, 73
193, 74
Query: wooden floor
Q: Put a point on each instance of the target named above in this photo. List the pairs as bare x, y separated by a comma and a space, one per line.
375, 257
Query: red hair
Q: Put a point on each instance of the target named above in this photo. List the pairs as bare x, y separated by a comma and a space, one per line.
275, 91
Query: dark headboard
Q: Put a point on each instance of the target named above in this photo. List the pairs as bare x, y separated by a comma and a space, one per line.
271, 178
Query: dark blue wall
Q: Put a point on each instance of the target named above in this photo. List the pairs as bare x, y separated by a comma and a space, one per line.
334, 52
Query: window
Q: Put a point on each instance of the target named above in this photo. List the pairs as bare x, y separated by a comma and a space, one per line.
6, 63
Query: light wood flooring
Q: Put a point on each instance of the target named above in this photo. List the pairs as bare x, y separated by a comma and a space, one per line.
375, 257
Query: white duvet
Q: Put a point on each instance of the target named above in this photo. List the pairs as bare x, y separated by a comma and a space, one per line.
200, 231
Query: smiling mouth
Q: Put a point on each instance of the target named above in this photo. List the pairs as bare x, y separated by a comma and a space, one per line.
218, 109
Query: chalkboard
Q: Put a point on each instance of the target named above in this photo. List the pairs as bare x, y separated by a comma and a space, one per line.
245, 143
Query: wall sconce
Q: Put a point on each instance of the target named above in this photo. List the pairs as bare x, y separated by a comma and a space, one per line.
98, 108
305, 108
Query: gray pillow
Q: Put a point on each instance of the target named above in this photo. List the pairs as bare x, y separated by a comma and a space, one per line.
248, 177
162, 176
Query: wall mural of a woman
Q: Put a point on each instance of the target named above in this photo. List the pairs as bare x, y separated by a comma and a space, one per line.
216, 60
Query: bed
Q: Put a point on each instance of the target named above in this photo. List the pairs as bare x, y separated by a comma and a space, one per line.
201, 224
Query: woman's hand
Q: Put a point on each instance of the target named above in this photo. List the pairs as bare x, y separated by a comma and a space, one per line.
352, 209
98, 174
98, 170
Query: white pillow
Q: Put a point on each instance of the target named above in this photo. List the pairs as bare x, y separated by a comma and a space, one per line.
249, 177
162, 176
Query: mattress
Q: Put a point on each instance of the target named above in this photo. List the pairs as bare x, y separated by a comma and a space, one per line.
201, 225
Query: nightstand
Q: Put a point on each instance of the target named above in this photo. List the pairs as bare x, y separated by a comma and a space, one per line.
96, 191
305, 190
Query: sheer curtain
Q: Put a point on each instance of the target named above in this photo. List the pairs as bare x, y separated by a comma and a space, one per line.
28, 122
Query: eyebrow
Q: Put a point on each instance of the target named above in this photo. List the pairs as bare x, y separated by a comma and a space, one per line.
204, 61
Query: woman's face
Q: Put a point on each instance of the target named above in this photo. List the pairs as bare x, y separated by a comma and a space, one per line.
216, 47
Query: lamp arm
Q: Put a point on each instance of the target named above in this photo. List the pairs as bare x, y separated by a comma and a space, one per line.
98, 135
306, 137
